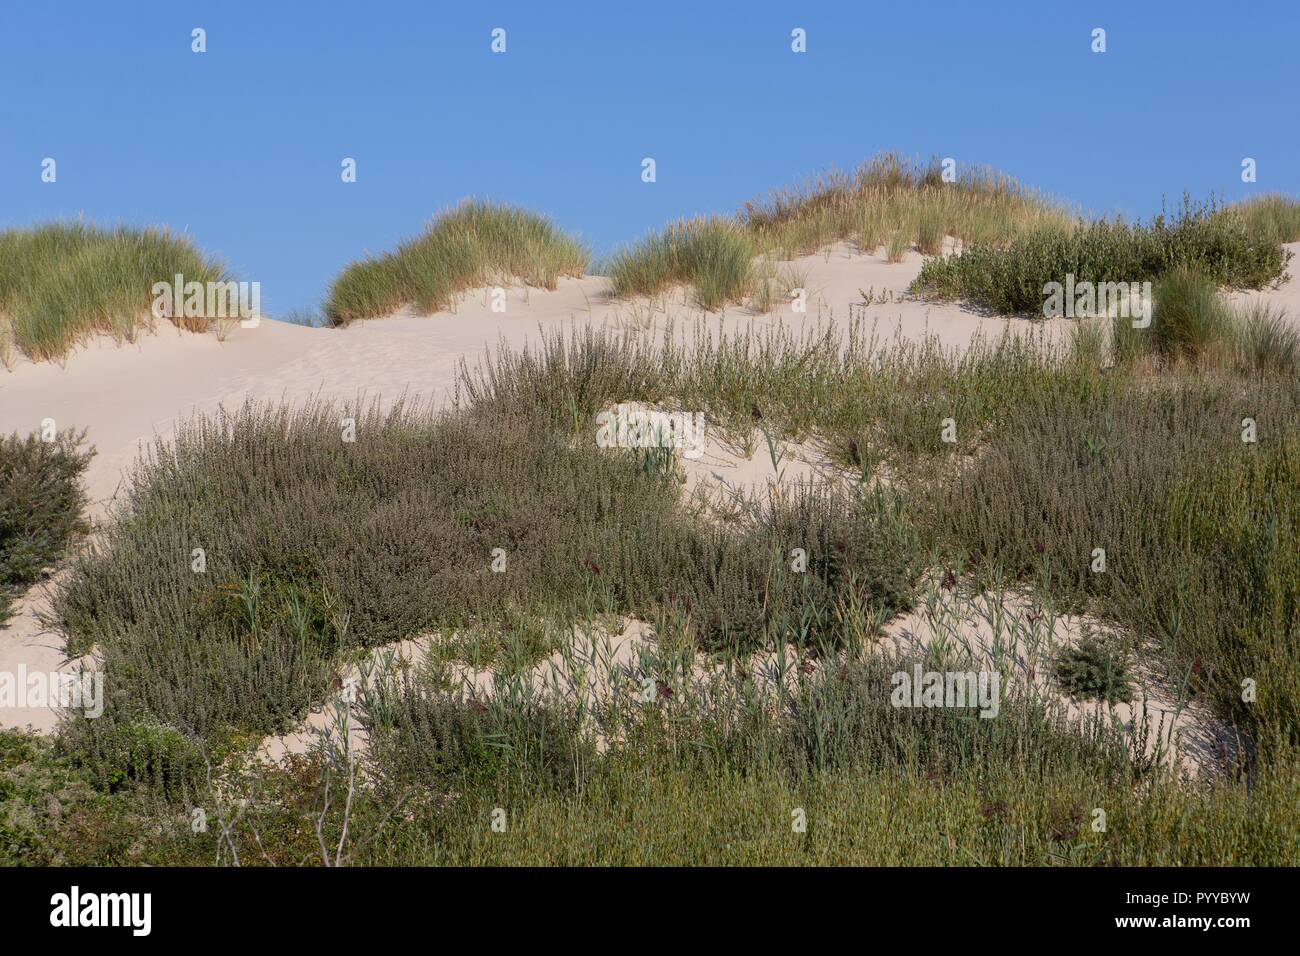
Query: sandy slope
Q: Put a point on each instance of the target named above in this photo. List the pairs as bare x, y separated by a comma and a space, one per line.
126, 395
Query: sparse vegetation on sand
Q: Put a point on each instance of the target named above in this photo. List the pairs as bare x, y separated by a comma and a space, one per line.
392, 536
475, 244
762, 691
887, 199
64, 282
1012, 241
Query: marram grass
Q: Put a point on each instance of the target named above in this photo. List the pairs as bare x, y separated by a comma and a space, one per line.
65, 282
471, 245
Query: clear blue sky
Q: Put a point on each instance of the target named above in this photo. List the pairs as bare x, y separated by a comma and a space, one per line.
241, 145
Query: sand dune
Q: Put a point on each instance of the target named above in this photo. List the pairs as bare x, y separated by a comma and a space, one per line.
125, 395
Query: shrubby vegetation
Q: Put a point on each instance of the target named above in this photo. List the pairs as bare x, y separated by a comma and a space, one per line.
341, 545
1173, 448
318, 547
1217, 243
40, 506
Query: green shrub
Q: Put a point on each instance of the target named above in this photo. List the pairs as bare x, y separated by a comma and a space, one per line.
1216, 242
1095, 670
40, 505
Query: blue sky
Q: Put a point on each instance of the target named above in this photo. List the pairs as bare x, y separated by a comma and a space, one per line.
242, 145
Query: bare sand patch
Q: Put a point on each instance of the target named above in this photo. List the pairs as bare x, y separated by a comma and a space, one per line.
602, 670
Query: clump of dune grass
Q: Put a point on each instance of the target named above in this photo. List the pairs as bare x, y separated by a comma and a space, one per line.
1266, 339
802, 219
930, 231
871, 230
396, 534
761, 299
714, 256
40, 505
1188, 317
1191, 322
472, 245
899, 244
64, 282
1274, 216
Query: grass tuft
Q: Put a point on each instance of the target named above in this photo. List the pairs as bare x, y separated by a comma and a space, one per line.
714, 256
475, 244
63, 283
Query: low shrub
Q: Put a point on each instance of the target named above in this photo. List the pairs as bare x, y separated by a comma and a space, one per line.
1093, 669
1218, 243
41, 500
